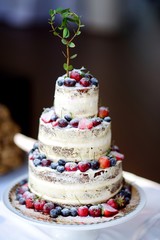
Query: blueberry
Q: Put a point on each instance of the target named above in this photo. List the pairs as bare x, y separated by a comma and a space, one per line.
94, 81
54, 118
59, 209
60, 82
18, 196
107, 119
22, 201
94, 164
127, 200
113, 161
88, 75
22, 182
126, 193
54, 165
60, 168
62, 123
65, 212
42, 156
68, 118
37, 162
54, 213
61, 162
68, 82
73, 211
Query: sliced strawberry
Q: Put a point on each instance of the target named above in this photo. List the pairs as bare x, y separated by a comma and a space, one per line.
108, 211
112, 203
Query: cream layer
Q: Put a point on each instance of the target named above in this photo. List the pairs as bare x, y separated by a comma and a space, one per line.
75, 188
78, 101
74, 144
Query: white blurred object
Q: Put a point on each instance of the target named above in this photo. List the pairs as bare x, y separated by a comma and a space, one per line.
24, 142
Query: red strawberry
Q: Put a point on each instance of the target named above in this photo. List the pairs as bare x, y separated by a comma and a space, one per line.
85, 82
47, 207
71, 166
83, 211
103, 112
95, 211
28, 194
39, 204
104, 162
117, 155
29, 203
47, 116
85, 124
75, 75
108, 211
83, 166
112, 203
22, 189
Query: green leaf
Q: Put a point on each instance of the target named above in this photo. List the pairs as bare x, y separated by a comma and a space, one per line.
65, 66
78, 33
55, 33
82, 25
70, 67
73, 56
65, 33
59, 10
71, 45
64, 41
51, 12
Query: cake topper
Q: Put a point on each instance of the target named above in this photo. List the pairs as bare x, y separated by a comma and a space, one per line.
68, 27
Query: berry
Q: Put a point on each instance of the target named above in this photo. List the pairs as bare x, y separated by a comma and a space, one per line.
18, 196
94, 81
39, 204
47, 116
107, 119
96, 121
60, 168
54, 213
85, 82
125, 193
88, 75
68, 118
61, 162
85, 124
35, 145
22, 182
54, 165
22, 201
103, 112
29, 203
65, 212
71, 166
46, 162
95, 211
74, 123
22, 189
73, 211
83, 211
62, 123
104, 162
115, 148
47, 207
28, 194
113, 161
112, 203
108, 211
117, 155
75, 75
83, 166
94, 164
60, 82
68, 82
59, 209
37, 162
54, 117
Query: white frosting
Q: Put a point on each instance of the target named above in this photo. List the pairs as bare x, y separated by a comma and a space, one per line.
78, 101
75, 188
74, 144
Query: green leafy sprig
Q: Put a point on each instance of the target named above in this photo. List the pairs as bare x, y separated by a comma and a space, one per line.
68, 28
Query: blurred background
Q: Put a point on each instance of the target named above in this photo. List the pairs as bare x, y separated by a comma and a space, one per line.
120, 46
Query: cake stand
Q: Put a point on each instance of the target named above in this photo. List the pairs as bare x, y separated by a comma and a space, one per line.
74, 232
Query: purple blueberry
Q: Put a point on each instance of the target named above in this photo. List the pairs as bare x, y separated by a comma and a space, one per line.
54, 213
94, 164
107, 119
61, 162
60, 82
37, 162
22, 201
65, 212
62, 123
54, 165
69, 82
113, 161
68, 118
60, 168
73, 211
94, 81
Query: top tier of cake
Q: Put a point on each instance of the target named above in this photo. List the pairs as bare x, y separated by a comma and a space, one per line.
79, 101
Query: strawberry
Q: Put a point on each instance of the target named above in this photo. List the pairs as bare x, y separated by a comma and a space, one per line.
120, 200
95, 211
117, 155
108, 211
83, 166
29, 203
71, 166
104, 162
75, 75
85, 82
112, 203
39, 204
47, 117
83, 211
103, 112
85, 124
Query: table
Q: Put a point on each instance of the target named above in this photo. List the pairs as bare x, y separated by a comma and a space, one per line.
13, 228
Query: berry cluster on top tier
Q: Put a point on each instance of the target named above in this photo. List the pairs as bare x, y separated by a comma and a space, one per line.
107, 209
110, 160
49, 116
78, 77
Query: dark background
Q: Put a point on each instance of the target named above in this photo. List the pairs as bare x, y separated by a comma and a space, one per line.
126, 62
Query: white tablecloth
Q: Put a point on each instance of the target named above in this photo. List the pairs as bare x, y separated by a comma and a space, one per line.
12, 228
